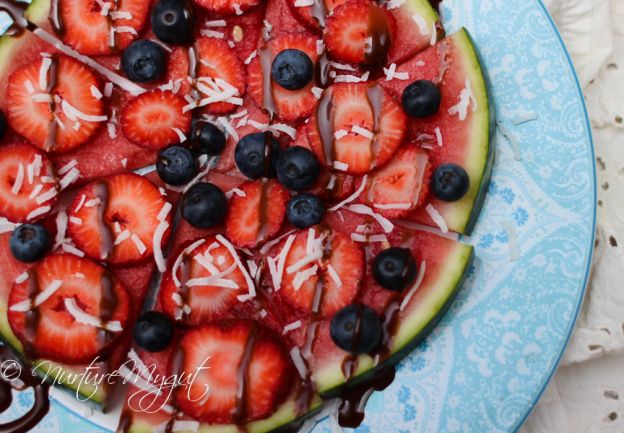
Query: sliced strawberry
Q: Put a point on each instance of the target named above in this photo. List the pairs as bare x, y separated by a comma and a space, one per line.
257, 214
228, 7
90, 30
314, 17
204, 277
359, 32
357, 112
118, 219
226, 357
402, 185
288, 105
151, 119
322, 271
28, 184
59, 332
64, 113
217, 61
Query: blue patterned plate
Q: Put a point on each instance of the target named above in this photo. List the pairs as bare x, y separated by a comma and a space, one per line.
486, 364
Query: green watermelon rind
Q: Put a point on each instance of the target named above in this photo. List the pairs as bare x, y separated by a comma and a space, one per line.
281, 420
479, 163
413, 329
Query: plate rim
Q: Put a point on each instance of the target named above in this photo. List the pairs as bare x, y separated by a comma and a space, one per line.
592, 238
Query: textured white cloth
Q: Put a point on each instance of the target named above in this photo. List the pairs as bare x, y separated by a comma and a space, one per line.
587, 393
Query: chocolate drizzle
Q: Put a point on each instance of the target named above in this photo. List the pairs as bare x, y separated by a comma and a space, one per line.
56, 21
16, 11
108, 305
266, 60
242, 378
52, 81
32, 316
12, 367
376, 52
106, 236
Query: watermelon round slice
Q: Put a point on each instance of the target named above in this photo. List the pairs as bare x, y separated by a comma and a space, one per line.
460, 132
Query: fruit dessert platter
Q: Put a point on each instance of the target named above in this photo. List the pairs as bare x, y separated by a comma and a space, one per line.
261, 199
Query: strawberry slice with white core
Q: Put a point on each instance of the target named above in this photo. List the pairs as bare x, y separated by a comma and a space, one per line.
242, 372
102, 27
314, 16
203, 283
359, 32
50, 102
359, 127
256, 214
28, 187
155, 119
220, 76
118, 219
288, 105
228, 7
79, 310
402, 185
317, 272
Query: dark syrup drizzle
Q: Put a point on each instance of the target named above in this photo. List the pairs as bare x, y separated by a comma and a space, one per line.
52, 83
106, 242
15, 368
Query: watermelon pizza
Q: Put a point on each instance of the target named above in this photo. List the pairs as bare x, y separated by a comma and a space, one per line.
242, 214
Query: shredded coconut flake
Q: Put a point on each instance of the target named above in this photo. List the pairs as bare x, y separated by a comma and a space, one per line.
95, 92
365, 210
82, 316
38, 212
363, 132
341, 166
437, 218
159, 233
43, 296
74, 114
524, 118
19, 180
353, 196
141, 248
466, 99
512, 239
334, 276
419, 279
299, 363
251, 57
69, 178
291, 327
75, 220
22, 277
302, 276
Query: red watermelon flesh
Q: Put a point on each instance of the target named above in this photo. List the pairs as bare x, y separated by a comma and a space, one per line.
454, 65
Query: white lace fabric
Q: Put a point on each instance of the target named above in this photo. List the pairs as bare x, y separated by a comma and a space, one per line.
587, 393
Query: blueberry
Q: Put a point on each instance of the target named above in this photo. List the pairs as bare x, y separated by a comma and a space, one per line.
421, 99
204, 205
395, 269
144, 61
292, 69
30, 242
305, 210
356, 329
153, 331
450, 182
4, 125
176, 165
298, 168
207, 138
172, 21
256, 155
